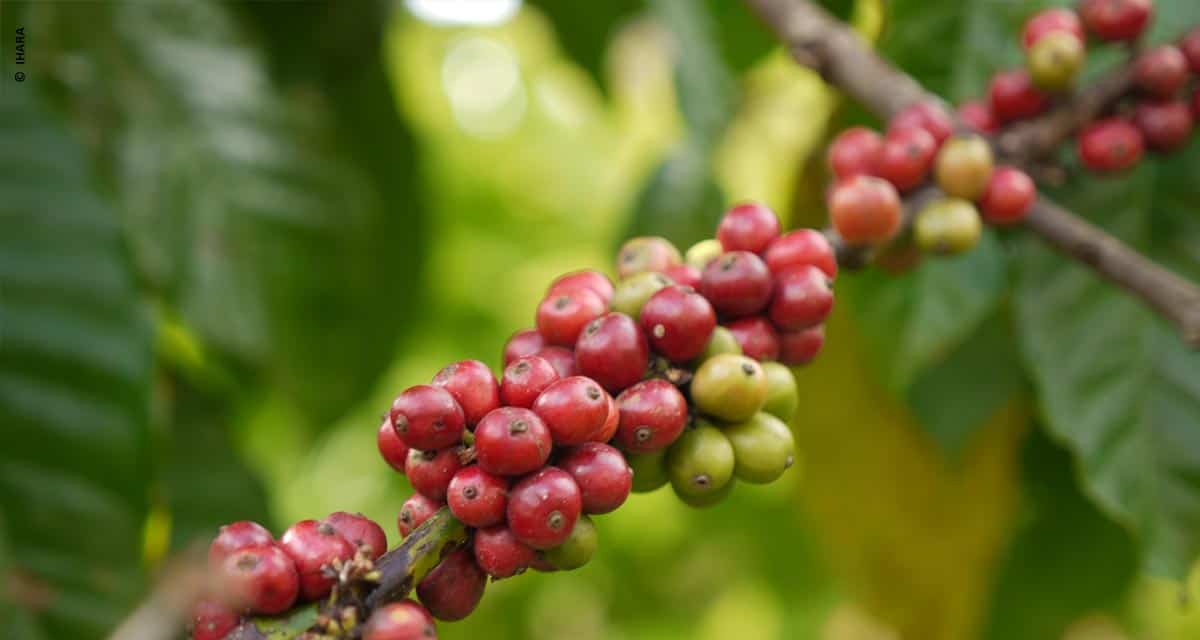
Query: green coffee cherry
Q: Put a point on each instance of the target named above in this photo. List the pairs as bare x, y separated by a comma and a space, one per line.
763, 448
721, 341
964, 166
730, 387
709, 499
947, 227
1055, 59
700, 463
649, 470
782, 395
700, 253
633, 292
579, 547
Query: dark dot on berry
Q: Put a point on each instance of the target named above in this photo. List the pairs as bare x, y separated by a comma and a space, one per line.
470, 493
702, 480
561, 302
247, 561
326, 529
642, 434
555, 520
401, 425
405, 516
593, 393
748, 368
517, 426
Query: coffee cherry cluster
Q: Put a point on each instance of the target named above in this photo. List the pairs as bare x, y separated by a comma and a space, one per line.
674, 375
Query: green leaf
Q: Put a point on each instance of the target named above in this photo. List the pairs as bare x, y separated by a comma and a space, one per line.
681, 201
75, 366
586, 28
705, 86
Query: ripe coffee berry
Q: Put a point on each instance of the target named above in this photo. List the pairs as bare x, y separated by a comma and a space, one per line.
453, 589
684, 275
429, 472
756, 335
511, 441
964, 166
1116, 19
800, 347
1110, 145
561, 316
414, 512
603, 476
1190, 46
360, 531
678, 322
928, 115
653, 414
1165, 125
524, 380
612, 351
907, 156
977, 114
646, 254
312, 546
477, 498
611, 423
428, 417
803, 298
1196, 104
865, 210
473, 386
800, 248
737, 284
633, 292
391, 447
854, 152
561, 358
236, 536
212, 620
574, 410
543, 508
259, 580
1161, 71
1012, 96
1051, 21
596, 282
1009, 195
525, 342
404, 620
729, 387
749, 226
500, 554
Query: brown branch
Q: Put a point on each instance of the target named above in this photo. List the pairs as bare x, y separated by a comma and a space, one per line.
818, 40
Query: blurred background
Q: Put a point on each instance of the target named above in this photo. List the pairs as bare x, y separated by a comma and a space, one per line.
231, 232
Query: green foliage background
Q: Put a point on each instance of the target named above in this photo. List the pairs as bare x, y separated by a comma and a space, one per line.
231, 232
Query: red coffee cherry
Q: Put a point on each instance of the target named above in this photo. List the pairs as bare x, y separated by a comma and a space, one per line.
404, 620
799, 248
977, 114
525, 342
1190, 46
561, 358
1196, 104
1013, 96
1111, 145
259, 580
855, 151
594, 281
928, 115
429, 472
737, 284
391, 447
678, 322
236, 536
1113, 20
473, 386
907, 156
428, 417
524, 380
561, 316
611, 423
613, 352
453, 589
757, 337
684, 275
803, 298
800, 347
511, 441
212, 620
603, 476
1049, 21
414, 512
360, 531
543, 508
653, 414
749, 226
574, 409
478, 498
646, 254
1009, 195
500, 554
1165, 125
312, 546
1161, 71
865, 210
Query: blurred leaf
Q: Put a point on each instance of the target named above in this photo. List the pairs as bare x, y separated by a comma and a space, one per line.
586, 28
75, 364
706, 88
681, 201
1067, 558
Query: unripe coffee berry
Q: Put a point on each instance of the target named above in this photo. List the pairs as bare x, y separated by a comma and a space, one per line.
259, 580
1012, 96
800, 347
594, 281
783, 397
561, 316
524, 380
649, 470
653, 413
360, 531
525, 342
613, 351
574, 410
749, 226
477, 498
803, 298
577, 550
453, 589
512, 441
1009, 195
865, 210
763, 448
854, 152
802, 247
1111, 145
212, 620
646, 254
1165, 125
947, 226
1161, 72
391, 447
964, 166
404, 620
721, 341
236, 536
633, 292
701, 462
429, 472
684, 275
313, 546
1055, 61
603, 476
907, 156
757, 336
500, 554
678, 322
1047, 21
926, 114
699, 254
428, 417
729, 387
473, 386
977, 115
414, 512
737, 284
543, 508
1113, 20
